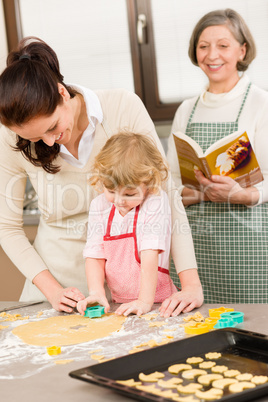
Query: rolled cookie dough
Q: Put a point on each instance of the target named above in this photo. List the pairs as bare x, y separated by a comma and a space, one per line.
68, 329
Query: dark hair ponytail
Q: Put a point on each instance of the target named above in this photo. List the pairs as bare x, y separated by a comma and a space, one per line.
29, 89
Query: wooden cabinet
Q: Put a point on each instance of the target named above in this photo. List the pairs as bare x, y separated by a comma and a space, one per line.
11, 280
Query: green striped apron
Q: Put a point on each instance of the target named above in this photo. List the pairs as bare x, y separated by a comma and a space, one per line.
231, 241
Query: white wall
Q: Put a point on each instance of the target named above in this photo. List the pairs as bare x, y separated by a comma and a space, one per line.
3, 41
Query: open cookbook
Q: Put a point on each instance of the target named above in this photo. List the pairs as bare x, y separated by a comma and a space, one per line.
231, 156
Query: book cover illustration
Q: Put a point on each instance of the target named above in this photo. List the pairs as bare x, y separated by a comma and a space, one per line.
231, 156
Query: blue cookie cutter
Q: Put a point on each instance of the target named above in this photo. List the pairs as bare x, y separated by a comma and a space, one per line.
236, 316
94, 311
225, 323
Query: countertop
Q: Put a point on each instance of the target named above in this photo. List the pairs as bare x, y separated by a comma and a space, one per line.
53, 382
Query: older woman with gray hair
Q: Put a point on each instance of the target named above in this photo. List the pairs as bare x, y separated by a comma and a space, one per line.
229, 223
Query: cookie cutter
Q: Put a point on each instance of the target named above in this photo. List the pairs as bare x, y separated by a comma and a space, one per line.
216, 312
225, 323
53, 350
94, 311
237, 316
197, 328
211, 322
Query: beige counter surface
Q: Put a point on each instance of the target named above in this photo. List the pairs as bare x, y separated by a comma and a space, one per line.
30, 378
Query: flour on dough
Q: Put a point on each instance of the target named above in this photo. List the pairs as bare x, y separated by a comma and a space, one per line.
68, 329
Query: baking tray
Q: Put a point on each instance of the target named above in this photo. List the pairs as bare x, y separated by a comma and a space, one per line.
240, 349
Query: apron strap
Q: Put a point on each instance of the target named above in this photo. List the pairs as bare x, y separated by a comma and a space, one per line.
110, 221
111, 217
135, 219
192, 113
239, 113
243, 102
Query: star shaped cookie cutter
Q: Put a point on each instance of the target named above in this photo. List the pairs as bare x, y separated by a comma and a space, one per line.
216, 312
94, 311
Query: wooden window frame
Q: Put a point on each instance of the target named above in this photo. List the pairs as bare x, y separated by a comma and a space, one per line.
143, 57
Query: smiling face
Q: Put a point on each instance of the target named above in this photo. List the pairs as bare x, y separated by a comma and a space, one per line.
50, 129
124, 198
217, 54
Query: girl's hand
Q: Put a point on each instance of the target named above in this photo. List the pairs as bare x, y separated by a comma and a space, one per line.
65, 299
221, 188
91, 299
135, 307
182, 302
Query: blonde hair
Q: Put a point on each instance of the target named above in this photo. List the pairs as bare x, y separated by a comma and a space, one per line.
238, 28
128, 160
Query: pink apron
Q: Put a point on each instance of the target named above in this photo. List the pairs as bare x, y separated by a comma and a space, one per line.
122, 267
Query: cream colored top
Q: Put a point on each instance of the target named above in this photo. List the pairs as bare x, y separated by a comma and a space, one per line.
224, 108
64, 199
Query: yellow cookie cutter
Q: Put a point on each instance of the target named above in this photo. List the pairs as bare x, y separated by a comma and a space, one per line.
53, 350
211, 322
197, 328
216, 312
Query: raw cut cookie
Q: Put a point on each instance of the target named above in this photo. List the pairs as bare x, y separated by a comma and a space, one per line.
259, 379
219, 369
208, 378
135, 349
11, 317
166, 394
189, 389
176, 368
129, 383
213, 355
240, 386
197, 317
148, 388
97, 357
231, 373
68, 329
209, 395
244, 377
207, 365
66, 361
149, 317
194, 360
224, 382
190, 374
189, 398
153, 377
171, 383
156, 324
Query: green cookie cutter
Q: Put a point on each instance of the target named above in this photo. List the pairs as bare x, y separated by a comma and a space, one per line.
225, 323
236, 316
94, 311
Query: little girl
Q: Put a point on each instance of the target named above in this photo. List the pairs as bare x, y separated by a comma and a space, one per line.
129, 227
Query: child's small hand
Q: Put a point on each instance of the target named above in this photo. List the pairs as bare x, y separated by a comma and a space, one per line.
136, 307
83, 304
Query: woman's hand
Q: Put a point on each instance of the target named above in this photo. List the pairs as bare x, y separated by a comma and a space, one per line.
135, 307
182, 302
225, 189
61, 299
219, 188
65, 299
190, 296
92, 299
